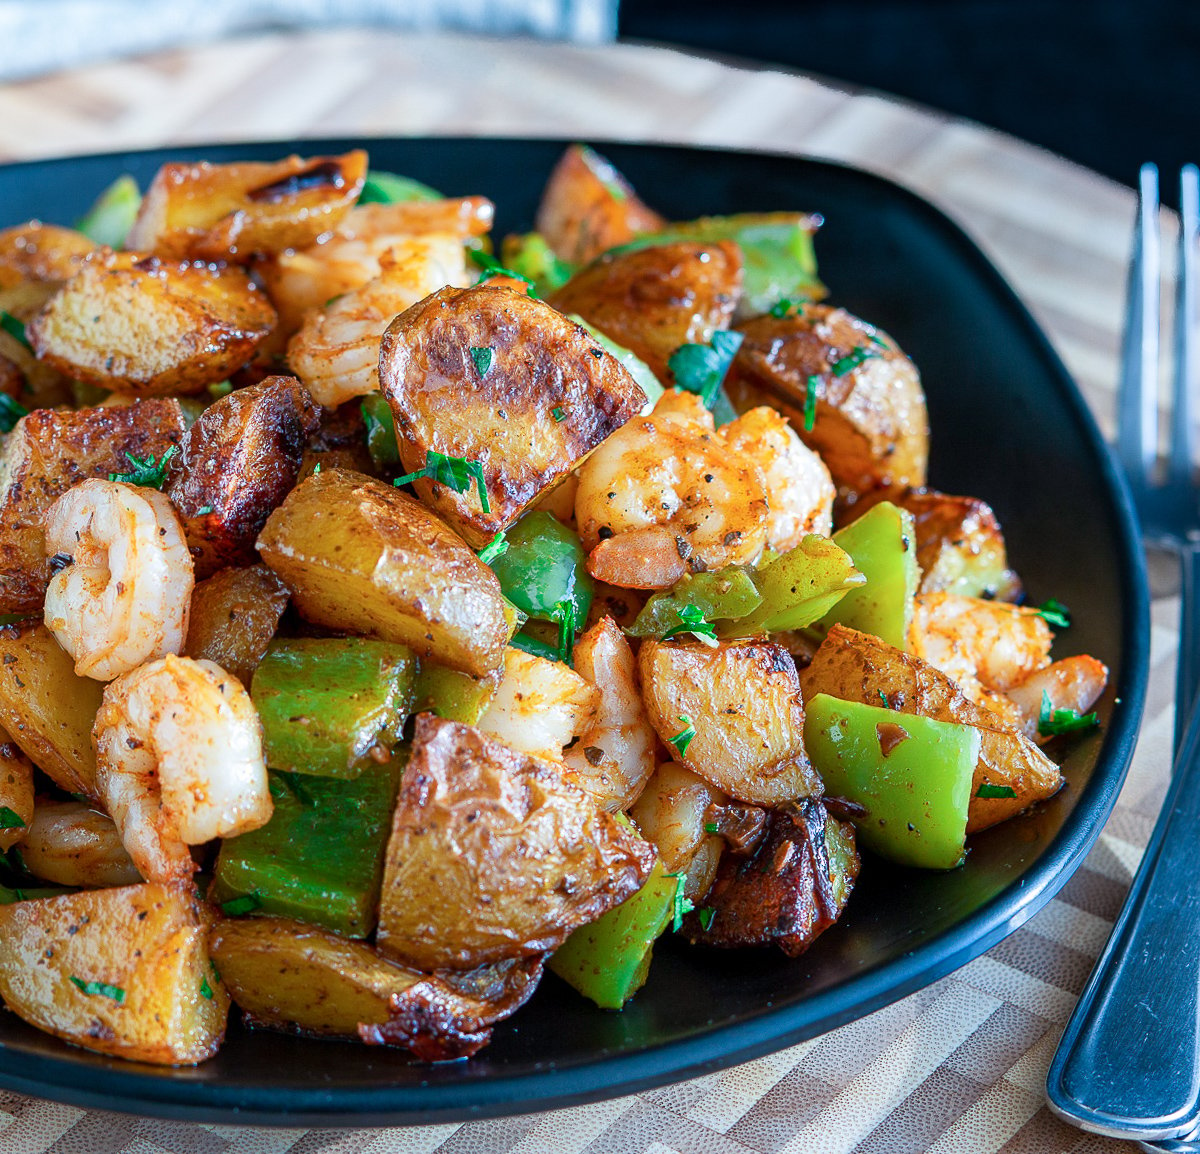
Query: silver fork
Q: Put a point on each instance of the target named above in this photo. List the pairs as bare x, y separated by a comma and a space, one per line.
1128, 1065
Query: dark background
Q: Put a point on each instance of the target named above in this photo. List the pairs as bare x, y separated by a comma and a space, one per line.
1106, 83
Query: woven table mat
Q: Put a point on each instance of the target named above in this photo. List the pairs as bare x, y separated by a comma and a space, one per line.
957, 1068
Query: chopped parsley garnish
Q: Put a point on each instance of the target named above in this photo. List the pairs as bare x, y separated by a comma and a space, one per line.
852, 360
103, 988
10, 413
706, 916
680, 905
988, 790
701, 369
711, 827
246, 904
10, 819
317, 468
14, 328
564, 614
883, 697
783, 308
691, 620
496, 547
557, 413
492, 267
1053, 722
146, 471
683, 738
453, 472
220, 389
483, 360
1055, 613
205, 989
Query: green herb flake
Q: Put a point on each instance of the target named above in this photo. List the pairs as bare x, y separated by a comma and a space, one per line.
453, 472
10, 819
691, 620
102, 988
683, 738
852, 360
316, 468
220, 389
558, 414
883, 697
204, 510
206, 990
564, 613
492, 267
1055, 613
10, 413
706, 916
680, 905
988, 790
483, 360
711, 827
1054, 722
246, 904
145, 471
15, 329
811, 388
783, 308
496, 547
701, 369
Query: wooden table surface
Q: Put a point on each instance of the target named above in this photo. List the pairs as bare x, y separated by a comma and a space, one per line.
961, 1066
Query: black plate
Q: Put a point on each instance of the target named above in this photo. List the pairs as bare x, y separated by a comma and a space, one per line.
1008, 425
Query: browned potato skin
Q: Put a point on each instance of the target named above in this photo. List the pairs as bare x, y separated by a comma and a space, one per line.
286, 975
46, 708
494, 855
784, 893
871, 427
744, 700
47, 453
655, 299
148, 940
73, 844
505, 419
340, 442
239, 461
233, 211
860, 667
41, 252
234, 615
151, 327
16, 789
39, 386
588, 207
360, 556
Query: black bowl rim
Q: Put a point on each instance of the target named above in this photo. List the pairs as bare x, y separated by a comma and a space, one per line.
125, 1088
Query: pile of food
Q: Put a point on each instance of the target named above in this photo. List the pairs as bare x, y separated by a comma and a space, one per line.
390, 618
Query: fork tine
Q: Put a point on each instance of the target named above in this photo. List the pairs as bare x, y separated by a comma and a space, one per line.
1180, 468
1138, 390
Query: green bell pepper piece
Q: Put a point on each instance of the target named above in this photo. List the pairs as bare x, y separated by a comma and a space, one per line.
532, 257
634, 365
327, 702
453, 695
911, 774
544, 569
109, 220
381, 431
723, 594
320, 857
388, 188
883, 546
608, 960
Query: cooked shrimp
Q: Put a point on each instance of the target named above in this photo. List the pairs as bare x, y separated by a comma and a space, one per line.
665, 495
614, 757
179, 761
1073, 683
336, 351
123, 594
671, 814
800, 490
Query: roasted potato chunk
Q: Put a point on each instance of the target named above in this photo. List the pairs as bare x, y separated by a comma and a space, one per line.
360, 556
31, 382
789, 890
150, 327
233, 617
871, 428
72, 844
290, 976
47, 453
491, 376
340, 442
495, 855
233, 211
46, 708
119, 971
239, 461
860, 667
16, 793
40, 252
743, 698
588, 207
653, 300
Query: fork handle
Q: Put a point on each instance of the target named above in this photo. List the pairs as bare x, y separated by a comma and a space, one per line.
1128, 1065
1187, 675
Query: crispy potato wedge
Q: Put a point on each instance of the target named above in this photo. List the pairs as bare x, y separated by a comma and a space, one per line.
871, 428
495, 855
41, 252
588, 207
118, 971
151, 327
860, 667
480, 374
286, 975
47, 453
234, 615
239, 461
743, 698
233, 211
72, 844
46, 708
361, 556
16, 793
653, 300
